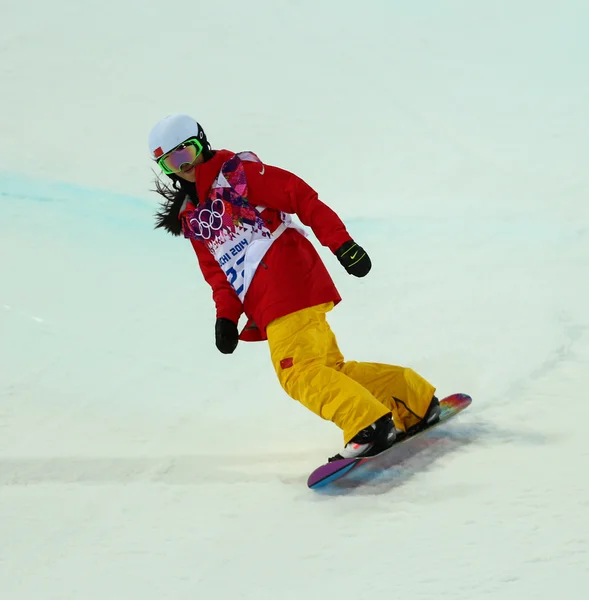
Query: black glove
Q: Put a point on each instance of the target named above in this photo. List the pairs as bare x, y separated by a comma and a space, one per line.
226, 335
354, 259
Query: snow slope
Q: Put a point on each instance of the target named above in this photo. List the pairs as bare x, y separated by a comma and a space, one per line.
138, 462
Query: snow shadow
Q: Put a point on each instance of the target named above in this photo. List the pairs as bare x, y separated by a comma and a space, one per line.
422, 454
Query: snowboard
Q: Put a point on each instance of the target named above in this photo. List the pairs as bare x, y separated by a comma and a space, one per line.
329, 472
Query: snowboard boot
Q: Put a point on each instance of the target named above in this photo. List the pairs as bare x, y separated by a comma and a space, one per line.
432, 416
370, 441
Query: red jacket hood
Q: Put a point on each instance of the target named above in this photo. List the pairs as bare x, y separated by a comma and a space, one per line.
206, 172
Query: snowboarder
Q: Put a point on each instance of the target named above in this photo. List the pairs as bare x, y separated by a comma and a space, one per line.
235, 210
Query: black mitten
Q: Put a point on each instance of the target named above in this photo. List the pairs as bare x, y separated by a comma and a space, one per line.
354, 259
226, 335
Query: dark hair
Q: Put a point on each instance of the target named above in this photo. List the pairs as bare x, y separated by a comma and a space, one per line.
168, 215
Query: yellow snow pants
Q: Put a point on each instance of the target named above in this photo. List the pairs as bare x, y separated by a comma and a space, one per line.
353, 395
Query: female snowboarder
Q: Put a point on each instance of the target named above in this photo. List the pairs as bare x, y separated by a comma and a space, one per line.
235, 210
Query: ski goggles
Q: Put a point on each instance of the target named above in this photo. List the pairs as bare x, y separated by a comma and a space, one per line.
184, 154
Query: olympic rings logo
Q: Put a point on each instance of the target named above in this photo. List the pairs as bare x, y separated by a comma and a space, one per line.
206, 221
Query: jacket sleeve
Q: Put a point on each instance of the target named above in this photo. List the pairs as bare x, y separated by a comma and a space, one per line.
226, 300
276, 188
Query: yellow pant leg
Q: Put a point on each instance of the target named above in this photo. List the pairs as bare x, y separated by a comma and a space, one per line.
400, 389
305, 357
405, 393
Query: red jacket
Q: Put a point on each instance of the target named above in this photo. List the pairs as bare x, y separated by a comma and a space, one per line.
292, 275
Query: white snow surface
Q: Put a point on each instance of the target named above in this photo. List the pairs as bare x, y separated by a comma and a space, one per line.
138, 462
